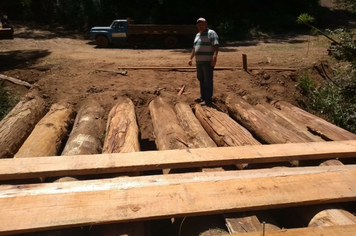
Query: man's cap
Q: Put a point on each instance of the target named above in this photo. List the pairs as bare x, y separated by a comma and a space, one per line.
201, 19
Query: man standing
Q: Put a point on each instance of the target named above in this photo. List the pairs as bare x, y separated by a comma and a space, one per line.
205, 50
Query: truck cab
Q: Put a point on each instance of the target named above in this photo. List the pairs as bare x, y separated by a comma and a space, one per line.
115, 33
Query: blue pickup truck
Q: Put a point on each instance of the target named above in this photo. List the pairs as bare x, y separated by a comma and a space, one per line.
125, 32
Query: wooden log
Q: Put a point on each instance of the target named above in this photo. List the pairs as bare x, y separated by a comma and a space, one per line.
156, 160
222, 129
70, 204
166, 126
316, 124
46, 138
345, 230
122, 137
261, 126
15, 81
18, 124
195, 132
122, 130
290, 124
87, 132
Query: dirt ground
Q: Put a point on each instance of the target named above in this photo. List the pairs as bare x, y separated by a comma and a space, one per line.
63, 68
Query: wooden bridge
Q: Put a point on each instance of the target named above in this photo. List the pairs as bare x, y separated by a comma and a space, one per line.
262, 168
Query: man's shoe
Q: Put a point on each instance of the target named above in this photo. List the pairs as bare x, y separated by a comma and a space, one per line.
198, 100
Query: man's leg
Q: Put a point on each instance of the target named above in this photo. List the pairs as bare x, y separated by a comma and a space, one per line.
208, 82
201, 76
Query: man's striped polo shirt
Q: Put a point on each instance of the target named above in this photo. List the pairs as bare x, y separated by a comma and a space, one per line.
203, 46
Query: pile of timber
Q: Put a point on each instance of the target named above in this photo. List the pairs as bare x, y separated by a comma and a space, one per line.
195, 148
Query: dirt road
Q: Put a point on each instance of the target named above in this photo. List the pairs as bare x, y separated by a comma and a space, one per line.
64, 67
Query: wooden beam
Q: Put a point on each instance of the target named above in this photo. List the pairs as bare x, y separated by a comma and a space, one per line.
24, 168
82, 203
216, 68
344, 230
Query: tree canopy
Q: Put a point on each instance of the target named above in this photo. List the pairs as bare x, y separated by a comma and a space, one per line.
230, 16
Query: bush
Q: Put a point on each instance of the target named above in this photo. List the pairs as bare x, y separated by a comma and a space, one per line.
6, 103
336, 101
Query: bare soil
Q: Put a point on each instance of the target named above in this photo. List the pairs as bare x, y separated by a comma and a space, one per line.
63, 67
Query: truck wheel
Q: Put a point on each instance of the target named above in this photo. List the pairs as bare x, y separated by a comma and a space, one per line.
102, 41
171, 42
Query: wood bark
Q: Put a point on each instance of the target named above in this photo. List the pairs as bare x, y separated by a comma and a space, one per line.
121, 137
195, 132
156, 160
46, 138
87, 132
166, 126
316, 124
121, 129
261, 126
289, 123
18, 124
222, 129
165, 199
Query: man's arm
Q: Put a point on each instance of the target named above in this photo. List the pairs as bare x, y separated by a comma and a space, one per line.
191, 57
215, 55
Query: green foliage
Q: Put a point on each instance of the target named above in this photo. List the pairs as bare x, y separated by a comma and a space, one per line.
6, 103
230, 16
335, 101
306, 84
305, 18
347, 48
347, 4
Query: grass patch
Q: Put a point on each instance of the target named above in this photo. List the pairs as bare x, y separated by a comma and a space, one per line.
6, 102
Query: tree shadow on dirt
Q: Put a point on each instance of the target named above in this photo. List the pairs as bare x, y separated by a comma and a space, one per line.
21, 59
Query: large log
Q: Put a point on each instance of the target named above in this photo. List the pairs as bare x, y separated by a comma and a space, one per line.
46, 138
195, 132
261, 126
316, 124
87, 132
156, 160
18, 124
287, 122
169, 134
122, 130
222, 129
135, 198
121, 137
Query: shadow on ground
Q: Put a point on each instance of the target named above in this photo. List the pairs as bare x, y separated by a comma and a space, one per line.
21, 59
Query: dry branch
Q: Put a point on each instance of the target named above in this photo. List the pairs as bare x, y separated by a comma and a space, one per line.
15, 81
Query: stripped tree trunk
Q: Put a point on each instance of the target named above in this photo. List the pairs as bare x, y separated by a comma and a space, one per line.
261, 126
88, 129
122, 130
121, 137
18, 124
288, 123
169, 134
316, 124
195, 132
222, 129
46, 138
226, 132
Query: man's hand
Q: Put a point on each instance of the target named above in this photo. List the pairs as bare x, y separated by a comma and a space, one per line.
190, 62
213, 62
